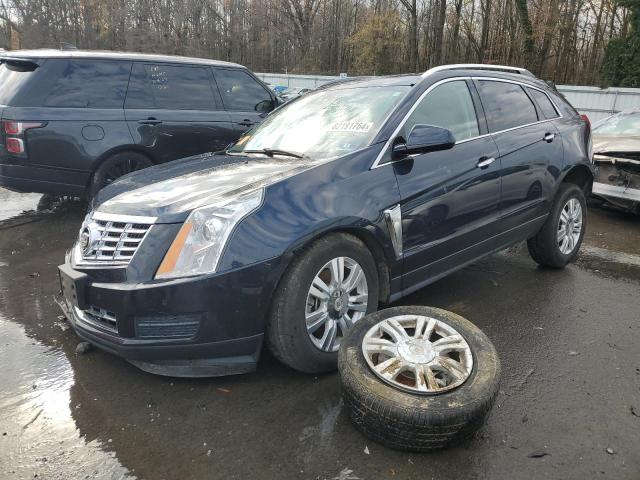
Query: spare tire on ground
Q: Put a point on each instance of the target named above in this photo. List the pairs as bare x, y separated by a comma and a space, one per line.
417, 378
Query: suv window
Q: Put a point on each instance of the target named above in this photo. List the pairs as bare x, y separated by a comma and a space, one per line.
506, 105
87, 84
170, 87
239, 90
548, 110
448, 106
13, 76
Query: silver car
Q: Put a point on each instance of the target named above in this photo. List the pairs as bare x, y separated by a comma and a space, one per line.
616, 146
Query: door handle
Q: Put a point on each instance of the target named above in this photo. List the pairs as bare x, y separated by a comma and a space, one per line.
246, 123
150, 121
548, 137
484, 162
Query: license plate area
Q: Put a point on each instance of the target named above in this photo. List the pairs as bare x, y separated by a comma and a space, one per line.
74, 286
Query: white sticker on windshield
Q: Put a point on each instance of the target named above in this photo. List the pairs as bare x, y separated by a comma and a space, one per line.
351, 126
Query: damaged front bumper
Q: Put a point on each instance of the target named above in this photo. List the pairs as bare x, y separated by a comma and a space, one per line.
618, 181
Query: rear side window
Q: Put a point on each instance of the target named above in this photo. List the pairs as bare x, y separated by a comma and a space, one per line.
13, 75
239, 90
448, 106
548, 110
170, 87
506, 105
87, 84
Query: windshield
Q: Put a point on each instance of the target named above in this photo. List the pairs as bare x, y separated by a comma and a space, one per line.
620, 125
324, 124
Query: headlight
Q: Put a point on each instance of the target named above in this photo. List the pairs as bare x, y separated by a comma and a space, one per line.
199, 243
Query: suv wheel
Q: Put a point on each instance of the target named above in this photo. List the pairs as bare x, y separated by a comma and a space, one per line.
558, 241
331, 285
115, 167
418, 378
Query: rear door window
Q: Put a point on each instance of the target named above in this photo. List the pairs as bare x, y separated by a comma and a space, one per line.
548, 110
448, 106
170, 87
239, 90
506, 105
87, 84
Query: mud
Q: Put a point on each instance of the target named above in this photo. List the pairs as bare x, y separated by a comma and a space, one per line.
568, 342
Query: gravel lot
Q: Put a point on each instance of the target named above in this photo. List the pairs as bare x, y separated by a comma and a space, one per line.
569, 405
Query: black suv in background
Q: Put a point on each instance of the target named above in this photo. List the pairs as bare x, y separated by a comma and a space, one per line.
74, 121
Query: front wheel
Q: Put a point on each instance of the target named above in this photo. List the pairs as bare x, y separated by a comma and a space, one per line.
558, 241
331, 285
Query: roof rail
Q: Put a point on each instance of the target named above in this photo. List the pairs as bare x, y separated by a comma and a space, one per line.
478, 66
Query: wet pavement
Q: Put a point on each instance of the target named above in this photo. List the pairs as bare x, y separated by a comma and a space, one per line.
569, 342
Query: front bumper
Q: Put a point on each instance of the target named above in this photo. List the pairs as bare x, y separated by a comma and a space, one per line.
230, 310
617, 181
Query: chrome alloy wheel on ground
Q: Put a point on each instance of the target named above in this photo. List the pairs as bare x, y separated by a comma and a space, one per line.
337, 298
417, 354
569, 226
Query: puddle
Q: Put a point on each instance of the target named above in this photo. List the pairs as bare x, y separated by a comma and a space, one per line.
13, 204
38, 436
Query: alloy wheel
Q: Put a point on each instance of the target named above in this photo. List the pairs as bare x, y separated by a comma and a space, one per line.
569, 226
417, 354
338, 297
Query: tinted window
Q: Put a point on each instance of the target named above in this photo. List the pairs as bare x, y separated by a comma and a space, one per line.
12, 78
88, 84
449, 106
506, 105
170, 87
544, 103
239, 90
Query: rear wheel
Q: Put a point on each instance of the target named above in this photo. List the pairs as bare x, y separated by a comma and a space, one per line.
558, 241
115, 167
331, 285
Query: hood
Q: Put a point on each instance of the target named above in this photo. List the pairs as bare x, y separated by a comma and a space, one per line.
610, 143
172, 190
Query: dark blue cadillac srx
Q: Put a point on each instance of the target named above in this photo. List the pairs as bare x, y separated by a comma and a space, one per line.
344, 199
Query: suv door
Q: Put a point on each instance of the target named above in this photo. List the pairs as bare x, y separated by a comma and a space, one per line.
244, 97
450, 198
174, 111
529, 152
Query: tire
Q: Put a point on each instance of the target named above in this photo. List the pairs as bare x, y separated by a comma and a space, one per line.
115, 167
418, 422
287, 335
544, 247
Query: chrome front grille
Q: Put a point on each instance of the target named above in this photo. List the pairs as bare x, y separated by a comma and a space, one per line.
107, 239
98, 317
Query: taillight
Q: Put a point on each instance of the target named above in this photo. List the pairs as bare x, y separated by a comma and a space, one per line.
15, 145
17, 128
14, 132
586, 120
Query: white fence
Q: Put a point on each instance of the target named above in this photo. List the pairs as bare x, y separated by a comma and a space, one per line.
595, 102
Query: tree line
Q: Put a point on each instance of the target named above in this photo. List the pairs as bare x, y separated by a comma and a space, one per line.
561, 40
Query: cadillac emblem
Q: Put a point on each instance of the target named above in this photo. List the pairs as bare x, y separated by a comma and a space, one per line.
85, 240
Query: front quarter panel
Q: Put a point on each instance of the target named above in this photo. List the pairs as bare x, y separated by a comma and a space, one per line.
339, 195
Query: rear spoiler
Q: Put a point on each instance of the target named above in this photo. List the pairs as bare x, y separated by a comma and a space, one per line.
19, 64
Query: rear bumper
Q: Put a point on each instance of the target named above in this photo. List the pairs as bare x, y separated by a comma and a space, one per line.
21, 178
625, 193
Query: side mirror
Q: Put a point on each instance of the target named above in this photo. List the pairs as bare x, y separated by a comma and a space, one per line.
265, 106
423, 139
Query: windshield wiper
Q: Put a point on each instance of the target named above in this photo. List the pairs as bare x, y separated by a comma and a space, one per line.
270, 152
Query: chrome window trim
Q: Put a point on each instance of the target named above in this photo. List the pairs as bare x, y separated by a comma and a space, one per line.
387, 144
